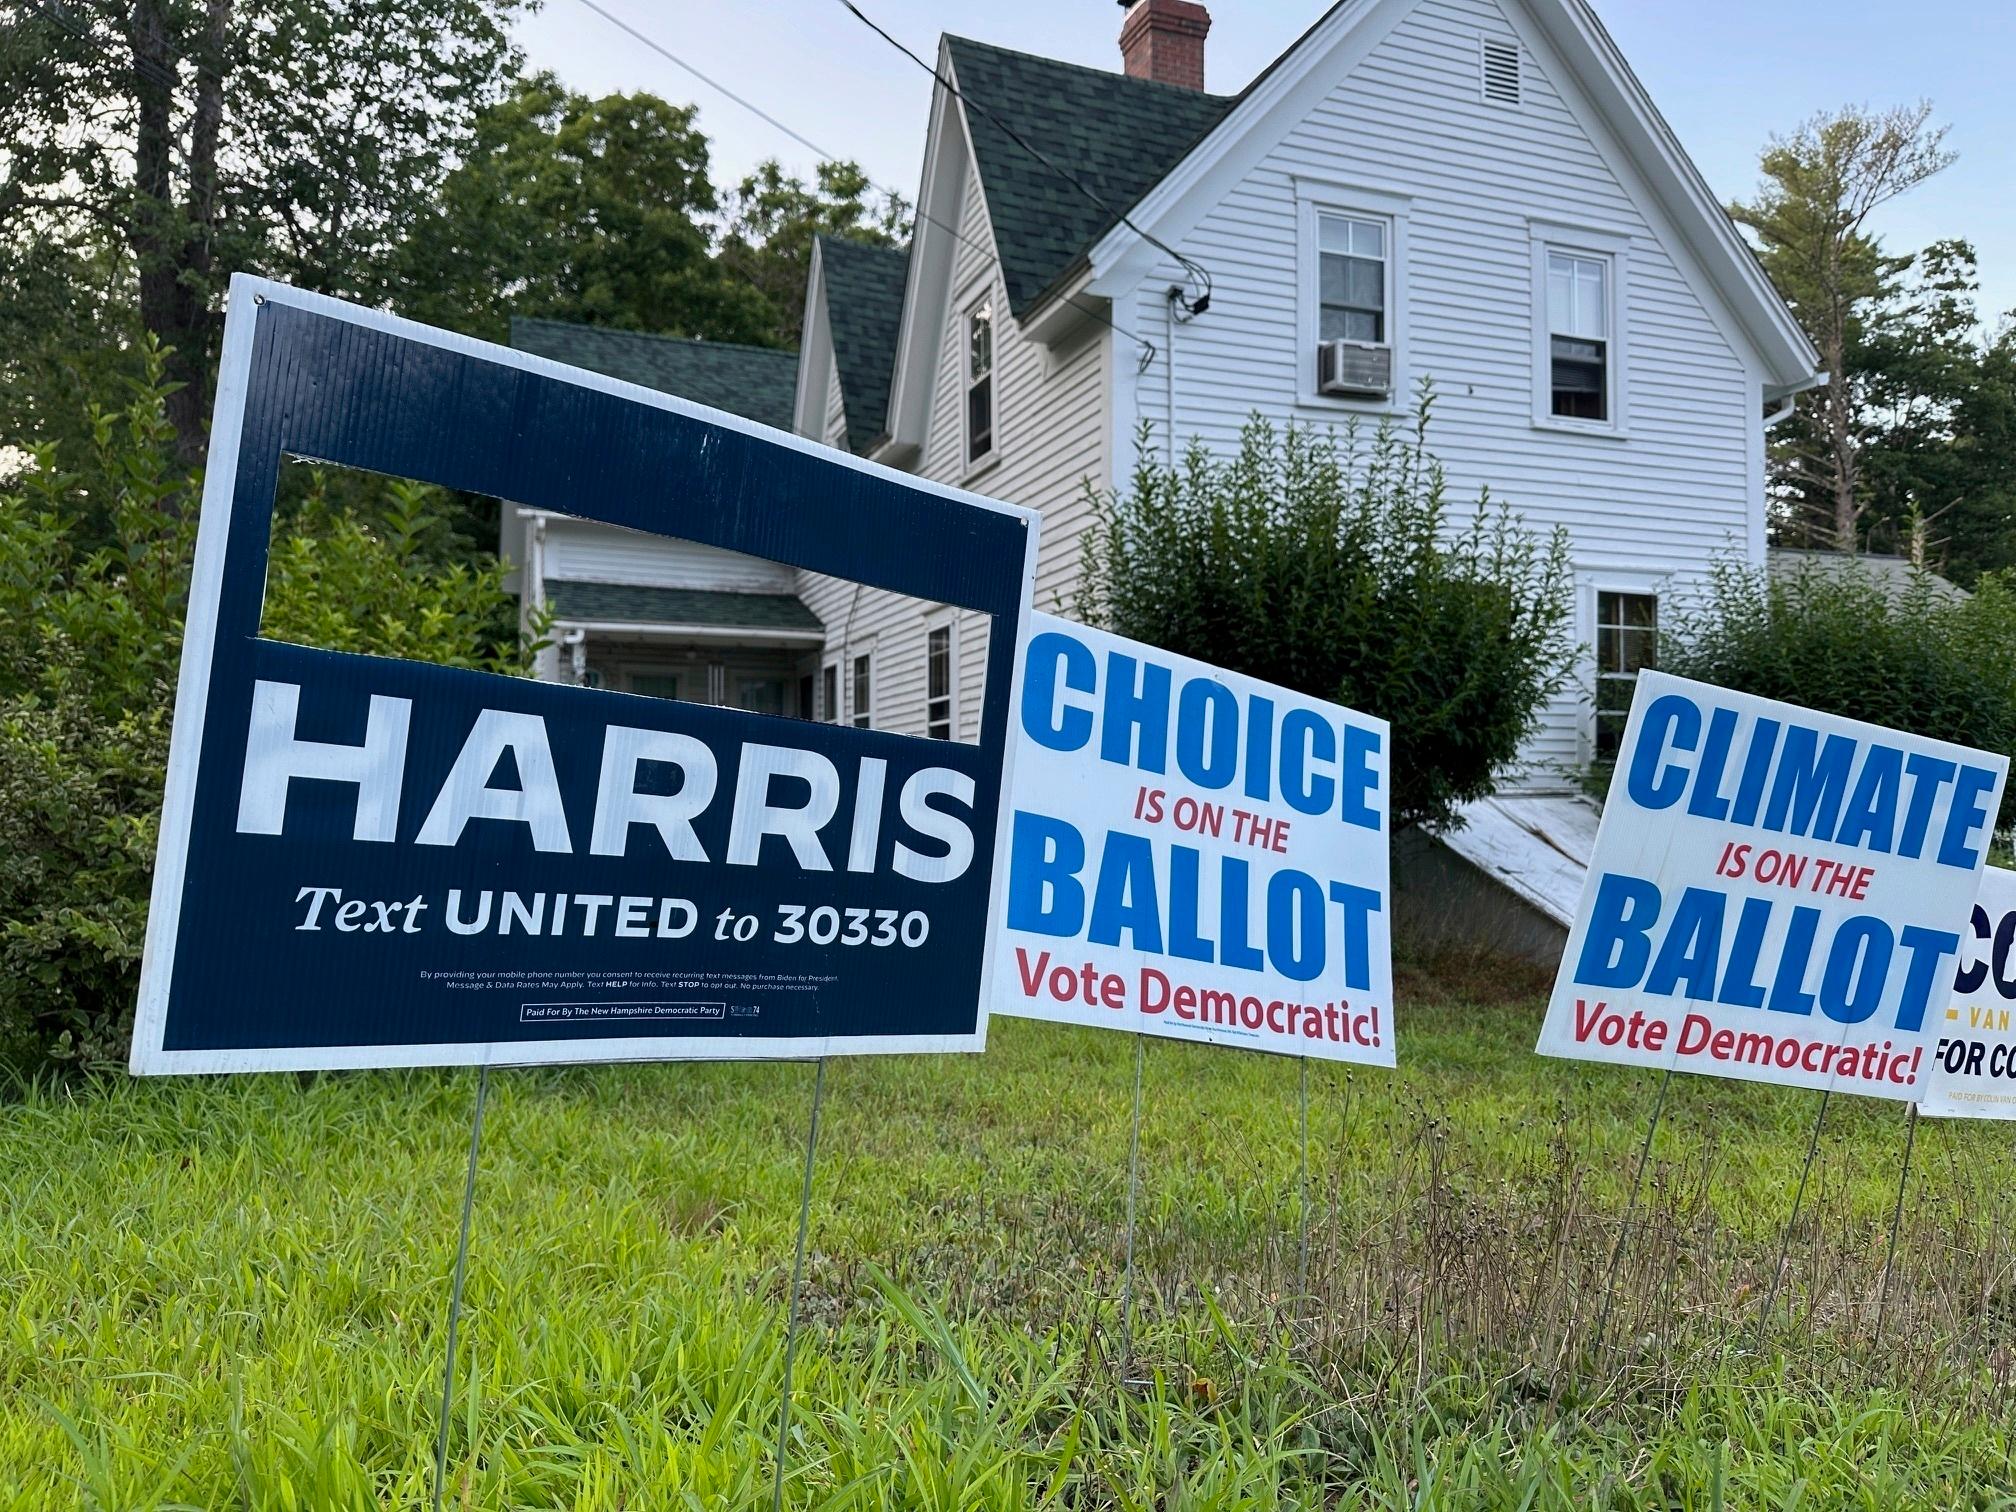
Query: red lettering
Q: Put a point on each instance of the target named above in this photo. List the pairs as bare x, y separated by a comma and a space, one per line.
1154, 990
1032, 977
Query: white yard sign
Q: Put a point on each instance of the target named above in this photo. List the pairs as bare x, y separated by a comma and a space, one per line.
1974, 1057
1776, 895
1195, 854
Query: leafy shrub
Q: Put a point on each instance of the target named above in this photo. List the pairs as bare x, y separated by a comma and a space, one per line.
87, 673
1332, 565
1829, 636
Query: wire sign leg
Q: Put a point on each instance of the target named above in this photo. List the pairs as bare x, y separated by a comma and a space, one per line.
1630, 1211
1798, 1197
1896, 1219
1302, 1198
797, 1287
1133, 1195
455, 1291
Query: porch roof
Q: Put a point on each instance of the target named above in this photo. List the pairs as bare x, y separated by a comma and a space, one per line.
634, 604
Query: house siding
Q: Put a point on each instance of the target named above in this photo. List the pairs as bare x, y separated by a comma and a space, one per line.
834, 430
1050, 428
581, 551
1646, 509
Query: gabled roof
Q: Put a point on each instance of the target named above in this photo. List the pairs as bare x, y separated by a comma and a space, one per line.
1581, 52
864, 308
1118, 135
628, 603
756, 383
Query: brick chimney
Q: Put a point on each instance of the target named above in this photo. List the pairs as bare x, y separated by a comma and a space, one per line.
1163, 40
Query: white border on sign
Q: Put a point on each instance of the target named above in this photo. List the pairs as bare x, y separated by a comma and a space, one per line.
192, 694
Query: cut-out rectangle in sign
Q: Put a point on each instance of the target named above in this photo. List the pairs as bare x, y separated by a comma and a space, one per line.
374, 862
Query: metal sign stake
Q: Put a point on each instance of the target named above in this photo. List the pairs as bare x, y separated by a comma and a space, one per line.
1798, 1196
797, 1286
1133, 1194
1630, 1211
1896, 1219
455, 1291
1302, 1196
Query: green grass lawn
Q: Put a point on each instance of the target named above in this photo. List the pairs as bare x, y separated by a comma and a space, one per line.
227, 1294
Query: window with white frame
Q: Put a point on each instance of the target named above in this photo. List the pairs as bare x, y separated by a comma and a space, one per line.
829, 693
980, 382
938, 682
864, 692
1627, 641
1353, 283
1579, 336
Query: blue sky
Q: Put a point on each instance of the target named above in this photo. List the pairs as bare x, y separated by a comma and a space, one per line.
1726, 74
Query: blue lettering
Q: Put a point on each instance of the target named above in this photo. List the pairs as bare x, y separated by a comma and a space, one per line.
1812, 777
1706, 801
1871, 817
1671, 719
1858, 964
1045, 856
1295, 908
1692, 947
1359, 904
1125, 898
1306, 740
1969, 812
1928, 947
1234, 914
1205, 702
1619, 939
1048, 721
1360, 746
1740, 987
1128, 710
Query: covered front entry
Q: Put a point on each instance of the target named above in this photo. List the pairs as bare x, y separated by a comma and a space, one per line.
754, 651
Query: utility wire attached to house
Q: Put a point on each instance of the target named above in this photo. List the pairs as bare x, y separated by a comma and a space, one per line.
1148, 349
1194, 300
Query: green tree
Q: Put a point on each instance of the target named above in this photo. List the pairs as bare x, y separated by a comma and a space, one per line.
1811, 217
87, 672
1832, 638
170, 143
577, 209
1334, 568
773, 218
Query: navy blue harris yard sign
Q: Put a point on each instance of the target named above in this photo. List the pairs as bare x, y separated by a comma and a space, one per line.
369, 862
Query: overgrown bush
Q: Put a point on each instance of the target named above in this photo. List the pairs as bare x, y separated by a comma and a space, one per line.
1832, 637
1332, 565
92, 636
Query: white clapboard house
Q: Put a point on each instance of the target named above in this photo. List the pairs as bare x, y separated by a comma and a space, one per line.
1474, 192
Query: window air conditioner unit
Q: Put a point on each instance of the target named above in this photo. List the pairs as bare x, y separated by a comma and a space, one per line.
1361, 369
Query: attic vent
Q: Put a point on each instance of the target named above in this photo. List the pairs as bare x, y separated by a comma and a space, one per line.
1501, 71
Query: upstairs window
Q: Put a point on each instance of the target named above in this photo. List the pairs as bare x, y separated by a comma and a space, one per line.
980, 382
1627, 641
829, 693
864, 703
938, 682
1352, 282
1578, 336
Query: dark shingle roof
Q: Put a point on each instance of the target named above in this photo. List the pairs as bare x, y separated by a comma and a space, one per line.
864, 308
627, 603
757, 383
1118, 135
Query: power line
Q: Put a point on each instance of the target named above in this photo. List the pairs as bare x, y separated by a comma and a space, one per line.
1196, 271
1148, 348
